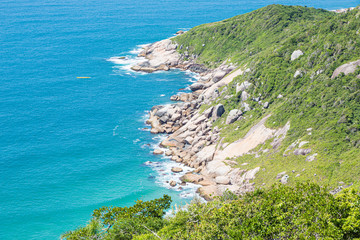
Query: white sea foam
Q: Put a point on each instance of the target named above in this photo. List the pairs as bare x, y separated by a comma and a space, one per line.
126, 62
115, 130
139, 48
164, 175
194, 77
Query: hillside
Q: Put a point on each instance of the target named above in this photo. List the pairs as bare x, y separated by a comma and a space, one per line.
324, 112
271, 128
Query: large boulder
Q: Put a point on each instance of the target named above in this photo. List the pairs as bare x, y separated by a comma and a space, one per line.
207, 113
192, 178
296, 54
158, 152
233, 116
244, 96
197, 68
218, 111
242, 86
224, 180
298, 73
196, 86
219, 75
172, 183
346, 68
208, 192
176, 169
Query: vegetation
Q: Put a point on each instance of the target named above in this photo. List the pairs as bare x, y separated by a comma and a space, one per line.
324, 115
124, 222
263, 42
306, 211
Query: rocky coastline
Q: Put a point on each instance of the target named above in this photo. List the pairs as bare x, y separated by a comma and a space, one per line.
192, 138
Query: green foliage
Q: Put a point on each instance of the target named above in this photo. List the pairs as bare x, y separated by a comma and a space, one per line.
124, 222
263, 41
305, 211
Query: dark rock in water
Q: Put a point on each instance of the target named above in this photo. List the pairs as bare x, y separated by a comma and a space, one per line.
176, 169
151, 178
172, 183
197, 68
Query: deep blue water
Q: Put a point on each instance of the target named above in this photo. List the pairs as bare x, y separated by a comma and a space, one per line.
69, 145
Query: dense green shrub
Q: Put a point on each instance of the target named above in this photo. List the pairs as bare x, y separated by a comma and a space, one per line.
124, 222
305, 211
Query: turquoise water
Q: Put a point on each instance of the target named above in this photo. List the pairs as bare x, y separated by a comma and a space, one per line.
68, 145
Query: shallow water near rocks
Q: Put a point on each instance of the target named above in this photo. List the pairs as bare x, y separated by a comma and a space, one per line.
70, 145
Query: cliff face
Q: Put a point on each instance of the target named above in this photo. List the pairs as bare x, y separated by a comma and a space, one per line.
277, 99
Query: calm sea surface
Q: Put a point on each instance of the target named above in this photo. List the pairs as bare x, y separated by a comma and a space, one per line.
69, 145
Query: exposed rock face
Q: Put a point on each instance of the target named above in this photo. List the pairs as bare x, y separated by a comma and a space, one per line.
192, 178
192, 140
243, 86
218, 76
346, 68
222, 180
196, 86
257, 135
233, 116
296, 54
208, 192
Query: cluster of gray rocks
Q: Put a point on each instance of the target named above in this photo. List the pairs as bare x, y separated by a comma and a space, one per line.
193, 140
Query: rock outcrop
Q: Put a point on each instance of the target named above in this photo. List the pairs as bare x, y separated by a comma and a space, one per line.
296, 54
346, 69
193, 140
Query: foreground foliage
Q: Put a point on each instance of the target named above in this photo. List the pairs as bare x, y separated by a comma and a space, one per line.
305, 211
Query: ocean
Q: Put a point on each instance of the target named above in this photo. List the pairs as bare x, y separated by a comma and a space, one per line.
69, 145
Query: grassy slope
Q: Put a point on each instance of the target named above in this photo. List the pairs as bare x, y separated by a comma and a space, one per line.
264, 40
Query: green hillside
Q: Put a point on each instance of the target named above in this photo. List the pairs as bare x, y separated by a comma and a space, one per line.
263, 41
324, 117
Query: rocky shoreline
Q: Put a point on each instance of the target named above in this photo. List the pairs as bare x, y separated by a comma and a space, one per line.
192, 139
